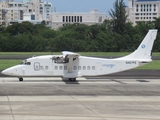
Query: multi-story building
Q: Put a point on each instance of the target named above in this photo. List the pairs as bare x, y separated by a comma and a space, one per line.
28, 10
36, 11
93, 17
143, 10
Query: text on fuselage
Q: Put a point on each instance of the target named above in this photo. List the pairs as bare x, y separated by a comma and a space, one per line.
131, 62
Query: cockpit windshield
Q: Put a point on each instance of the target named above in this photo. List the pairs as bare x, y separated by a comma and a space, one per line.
25, 63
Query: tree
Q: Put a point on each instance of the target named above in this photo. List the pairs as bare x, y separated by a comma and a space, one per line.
119, 16
2, 28
157, 23
21, 28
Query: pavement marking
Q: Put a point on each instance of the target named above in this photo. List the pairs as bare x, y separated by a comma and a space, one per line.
3, 98
81, 98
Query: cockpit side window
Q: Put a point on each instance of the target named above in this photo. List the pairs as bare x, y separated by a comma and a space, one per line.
25, 63
28, 63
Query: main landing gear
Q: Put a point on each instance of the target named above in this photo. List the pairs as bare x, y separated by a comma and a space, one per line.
20, 79
72, 79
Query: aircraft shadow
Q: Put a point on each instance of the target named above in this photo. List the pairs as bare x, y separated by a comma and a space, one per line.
67, 81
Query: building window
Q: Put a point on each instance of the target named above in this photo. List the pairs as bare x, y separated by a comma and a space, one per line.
72, 18
137, 6
63, 18
32, 17
77, 18
66, 18
80, 18
154, 7
69, 18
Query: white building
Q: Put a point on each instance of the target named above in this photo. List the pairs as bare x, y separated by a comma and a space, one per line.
143, 10
36, 11
90, 18
28, 10
10, 10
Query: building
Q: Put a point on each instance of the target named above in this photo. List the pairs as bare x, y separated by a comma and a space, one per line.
29, 10
35, 11
143, 10
90, 18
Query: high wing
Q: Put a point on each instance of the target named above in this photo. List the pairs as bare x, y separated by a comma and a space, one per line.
71, 56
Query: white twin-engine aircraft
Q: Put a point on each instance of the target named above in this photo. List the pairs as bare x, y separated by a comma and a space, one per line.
71, 65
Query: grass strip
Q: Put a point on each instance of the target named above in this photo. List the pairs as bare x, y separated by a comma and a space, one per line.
8, 63
154, 65
81, 53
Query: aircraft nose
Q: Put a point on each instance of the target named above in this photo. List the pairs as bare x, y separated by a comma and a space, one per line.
9, 72
4, 72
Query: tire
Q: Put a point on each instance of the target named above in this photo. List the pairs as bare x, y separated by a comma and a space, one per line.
72, 79
21, 79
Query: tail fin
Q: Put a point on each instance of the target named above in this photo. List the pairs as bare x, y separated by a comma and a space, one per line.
144, 51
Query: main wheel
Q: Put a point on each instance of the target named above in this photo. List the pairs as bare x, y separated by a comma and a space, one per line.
21, 79
72, 79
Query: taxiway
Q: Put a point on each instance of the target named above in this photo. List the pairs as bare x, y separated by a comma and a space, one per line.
87, 99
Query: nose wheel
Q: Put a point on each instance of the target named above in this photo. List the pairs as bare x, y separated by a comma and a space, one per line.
21, 79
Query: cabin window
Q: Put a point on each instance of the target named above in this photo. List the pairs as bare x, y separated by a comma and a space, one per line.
46, 67
75, 67
60, 67
65, 67
79, 67
84, 67
88, 67
93, 67
56, 68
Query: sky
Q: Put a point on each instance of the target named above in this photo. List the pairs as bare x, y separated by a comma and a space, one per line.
103, 6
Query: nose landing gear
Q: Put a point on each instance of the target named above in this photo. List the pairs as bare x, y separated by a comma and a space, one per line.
20, 79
